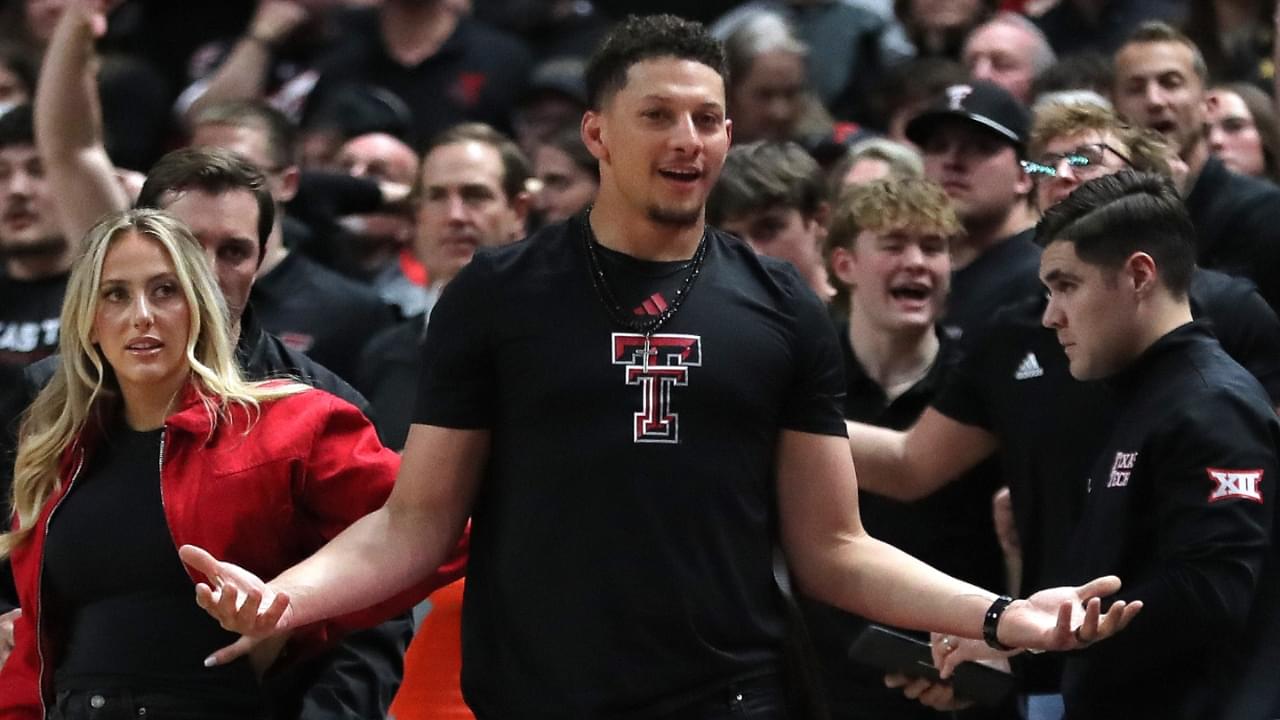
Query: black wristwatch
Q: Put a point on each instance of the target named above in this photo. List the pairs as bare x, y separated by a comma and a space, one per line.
992, 620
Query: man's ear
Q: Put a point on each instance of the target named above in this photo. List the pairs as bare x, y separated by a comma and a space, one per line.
521, 204
595, 135
288, 184
1141, 272
844, 264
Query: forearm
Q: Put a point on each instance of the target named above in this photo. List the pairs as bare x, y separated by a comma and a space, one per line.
882, 583
381, 554
68, 128
242, 76
884, 464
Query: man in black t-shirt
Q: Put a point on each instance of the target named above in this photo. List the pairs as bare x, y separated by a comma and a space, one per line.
33, 248
472, 196
632, 408
972, 138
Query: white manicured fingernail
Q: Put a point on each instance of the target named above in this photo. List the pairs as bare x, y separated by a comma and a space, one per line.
210, 661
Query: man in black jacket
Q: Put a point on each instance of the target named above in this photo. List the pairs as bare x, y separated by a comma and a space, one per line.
1176, 501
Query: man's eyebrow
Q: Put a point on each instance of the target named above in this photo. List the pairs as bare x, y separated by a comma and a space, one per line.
1057, 274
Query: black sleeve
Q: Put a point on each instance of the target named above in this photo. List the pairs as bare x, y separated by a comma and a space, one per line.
323, 196
356, 680
1249, 330
962, 396
816, 401
1211, 542
458, 386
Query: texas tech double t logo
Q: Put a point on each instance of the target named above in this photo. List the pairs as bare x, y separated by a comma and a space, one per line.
657, 364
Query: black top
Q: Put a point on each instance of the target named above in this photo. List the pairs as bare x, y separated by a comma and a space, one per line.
621, 548
951, 530
478, 74
316, 311
1236, 219
1004, 274
117, 592
1179, 504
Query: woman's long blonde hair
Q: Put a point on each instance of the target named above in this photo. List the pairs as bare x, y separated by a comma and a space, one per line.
84, 384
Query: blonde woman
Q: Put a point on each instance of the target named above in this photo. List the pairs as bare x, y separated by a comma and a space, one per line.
148, 438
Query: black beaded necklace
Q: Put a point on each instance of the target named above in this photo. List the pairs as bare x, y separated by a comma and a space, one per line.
646, 326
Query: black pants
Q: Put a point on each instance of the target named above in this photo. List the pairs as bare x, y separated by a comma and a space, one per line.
755, 699
118, 704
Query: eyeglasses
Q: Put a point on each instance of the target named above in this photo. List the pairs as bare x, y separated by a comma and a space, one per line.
1085, 156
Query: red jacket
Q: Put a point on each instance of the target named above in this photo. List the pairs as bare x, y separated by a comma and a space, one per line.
309, 467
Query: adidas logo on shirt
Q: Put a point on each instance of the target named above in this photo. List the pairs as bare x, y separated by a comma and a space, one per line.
1029, 368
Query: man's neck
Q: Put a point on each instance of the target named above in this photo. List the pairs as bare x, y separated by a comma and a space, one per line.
1163, 315
38, 266
894, 359
982, 235
275, 251
414, 32
620, 227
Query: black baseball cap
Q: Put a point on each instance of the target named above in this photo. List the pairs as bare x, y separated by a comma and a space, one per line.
982, 103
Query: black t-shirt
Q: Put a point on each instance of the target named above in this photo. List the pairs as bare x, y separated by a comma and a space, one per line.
30, 312
951, 530
477, 75
1004, 274
117, 591
1179, 505
316, 311
622, 538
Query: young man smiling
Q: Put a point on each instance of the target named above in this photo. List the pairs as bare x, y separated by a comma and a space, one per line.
632, 408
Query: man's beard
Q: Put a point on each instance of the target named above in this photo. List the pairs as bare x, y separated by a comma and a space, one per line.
675, 218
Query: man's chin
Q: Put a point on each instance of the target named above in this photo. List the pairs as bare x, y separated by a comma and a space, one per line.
675, 217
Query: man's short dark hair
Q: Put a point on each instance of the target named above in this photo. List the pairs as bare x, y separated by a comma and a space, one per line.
281, 135
1155, 31
16, 127
764, 175
516, 168
1110, 218
210, 170
640, 38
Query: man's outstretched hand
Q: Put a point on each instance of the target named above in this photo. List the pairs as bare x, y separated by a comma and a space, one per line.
239, 600
1061, 618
